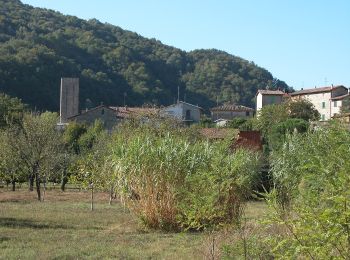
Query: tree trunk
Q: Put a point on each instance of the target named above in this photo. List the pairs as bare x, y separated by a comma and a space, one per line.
44, 189
64, 180
13, 185
31, 182
92, 196
37, 181
111, 195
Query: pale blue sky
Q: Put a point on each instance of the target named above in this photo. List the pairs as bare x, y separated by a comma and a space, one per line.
303, 42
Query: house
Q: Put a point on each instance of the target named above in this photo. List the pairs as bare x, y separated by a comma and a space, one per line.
266, 97
327, 100
230, 111
183, 111
111, 116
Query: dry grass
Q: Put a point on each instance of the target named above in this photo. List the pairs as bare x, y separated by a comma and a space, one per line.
63, 227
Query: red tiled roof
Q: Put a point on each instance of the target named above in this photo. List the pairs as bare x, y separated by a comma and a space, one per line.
127, 112
270, 92
315, 90
232, 107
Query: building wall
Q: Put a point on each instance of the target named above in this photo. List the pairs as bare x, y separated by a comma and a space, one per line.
69, 98
179, 111
321, 101
259, 103
229, 115
271, 99
264, 100
107, 117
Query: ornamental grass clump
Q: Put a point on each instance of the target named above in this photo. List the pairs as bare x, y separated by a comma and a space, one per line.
172, 183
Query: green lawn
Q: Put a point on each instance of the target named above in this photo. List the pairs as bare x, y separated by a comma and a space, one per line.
63, 227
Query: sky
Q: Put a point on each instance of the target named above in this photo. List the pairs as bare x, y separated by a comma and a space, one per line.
305, 43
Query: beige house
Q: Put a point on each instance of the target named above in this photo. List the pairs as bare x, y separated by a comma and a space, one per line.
266, 97
327, 100
230, 111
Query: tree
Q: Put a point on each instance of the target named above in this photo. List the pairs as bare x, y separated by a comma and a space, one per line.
38, 144
11, 110
303, 109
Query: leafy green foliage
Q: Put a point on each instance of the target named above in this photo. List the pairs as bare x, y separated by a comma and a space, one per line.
39, 46
173, 183
311, 200
303, 109
11, 110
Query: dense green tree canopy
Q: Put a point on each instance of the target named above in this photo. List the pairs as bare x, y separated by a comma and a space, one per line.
39, 46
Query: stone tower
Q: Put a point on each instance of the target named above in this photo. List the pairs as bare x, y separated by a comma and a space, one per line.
69, 98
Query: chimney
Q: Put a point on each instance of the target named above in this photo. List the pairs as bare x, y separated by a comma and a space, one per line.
69, 98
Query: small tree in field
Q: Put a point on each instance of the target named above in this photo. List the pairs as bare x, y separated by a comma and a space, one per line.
37, 143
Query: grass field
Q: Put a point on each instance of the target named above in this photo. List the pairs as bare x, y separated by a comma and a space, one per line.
63, 227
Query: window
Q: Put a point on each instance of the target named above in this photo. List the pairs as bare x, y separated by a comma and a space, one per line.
323, 104
102, 111
247, 113
335, 104
323, 117
188, 114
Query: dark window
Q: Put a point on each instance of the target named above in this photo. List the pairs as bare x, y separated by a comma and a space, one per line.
102, 112
247, 113
323, 104
188, 114
335, 104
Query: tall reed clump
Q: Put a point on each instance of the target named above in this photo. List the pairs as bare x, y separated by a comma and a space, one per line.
311, 201
172, 183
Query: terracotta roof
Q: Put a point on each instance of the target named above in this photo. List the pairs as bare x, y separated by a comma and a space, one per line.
316, 90
341, 97
90, 110
270, 92
218, 133
127, 112
232, 107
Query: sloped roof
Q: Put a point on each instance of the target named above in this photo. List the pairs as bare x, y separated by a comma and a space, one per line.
127, 112
182, 102
91, 110
316, 90
232, 107
270, 92
341, 97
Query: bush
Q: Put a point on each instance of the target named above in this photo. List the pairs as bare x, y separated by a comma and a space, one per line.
312, 195
173, 183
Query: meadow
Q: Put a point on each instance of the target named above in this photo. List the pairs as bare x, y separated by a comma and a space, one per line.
64, 227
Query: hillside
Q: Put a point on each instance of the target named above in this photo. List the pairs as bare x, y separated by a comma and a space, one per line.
39, 46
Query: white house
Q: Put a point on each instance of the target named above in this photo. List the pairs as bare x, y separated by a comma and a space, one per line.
327, 100
266, 97
183, 111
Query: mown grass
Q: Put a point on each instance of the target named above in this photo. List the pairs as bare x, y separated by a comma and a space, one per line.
63, 227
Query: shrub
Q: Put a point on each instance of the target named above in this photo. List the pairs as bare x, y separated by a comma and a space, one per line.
312, 195
174, 183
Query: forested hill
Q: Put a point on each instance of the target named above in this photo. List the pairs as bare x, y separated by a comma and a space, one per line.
39, 46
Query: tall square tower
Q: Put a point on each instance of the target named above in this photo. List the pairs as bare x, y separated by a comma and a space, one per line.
69, 98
